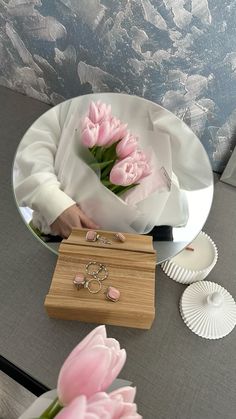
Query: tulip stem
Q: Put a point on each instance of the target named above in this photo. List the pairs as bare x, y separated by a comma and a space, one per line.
106, 182
99, 154
101, 165
52, 410
106, 171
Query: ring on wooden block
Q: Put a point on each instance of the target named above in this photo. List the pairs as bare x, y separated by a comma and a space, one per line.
113, 294
103, 271
120, 237
96, 272
90, 286
81, 282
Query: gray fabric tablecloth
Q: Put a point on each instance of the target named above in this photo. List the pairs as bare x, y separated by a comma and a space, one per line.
178, 374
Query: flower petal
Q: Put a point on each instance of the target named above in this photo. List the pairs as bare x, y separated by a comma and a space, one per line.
89, 340
127, 393
84, 374
93, 112
96, 337
113, 373
76, 410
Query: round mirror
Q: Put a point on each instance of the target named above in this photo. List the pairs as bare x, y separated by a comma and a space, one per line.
66, 157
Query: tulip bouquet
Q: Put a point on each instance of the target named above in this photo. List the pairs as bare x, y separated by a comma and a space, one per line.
84, 378
121, 163
116, 164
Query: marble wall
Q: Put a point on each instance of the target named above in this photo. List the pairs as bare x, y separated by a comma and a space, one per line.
178, 53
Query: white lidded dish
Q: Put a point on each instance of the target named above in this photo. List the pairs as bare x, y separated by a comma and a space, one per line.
192, 266
208, 310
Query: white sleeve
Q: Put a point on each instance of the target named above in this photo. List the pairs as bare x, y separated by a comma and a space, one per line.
35, 181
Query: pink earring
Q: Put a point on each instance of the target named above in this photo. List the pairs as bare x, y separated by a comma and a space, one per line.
113, 294
120, 237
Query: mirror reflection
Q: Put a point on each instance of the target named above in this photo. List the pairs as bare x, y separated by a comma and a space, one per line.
113, 162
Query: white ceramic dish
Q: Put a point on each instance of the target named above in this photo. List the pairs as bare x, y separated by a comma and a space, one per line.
192, 266
208, 310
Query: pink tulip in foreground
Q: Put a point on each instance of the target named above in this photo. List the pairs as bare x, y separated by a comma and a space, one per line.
116, 405
91, 367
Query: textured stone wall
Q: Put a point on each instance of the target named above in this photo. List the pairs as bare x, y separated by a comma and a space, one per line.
178, 53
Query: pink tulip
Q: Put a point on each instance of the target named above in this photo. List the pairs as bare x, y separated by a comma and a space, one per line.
116, 405
90, 133
77, 409
129, 171
100, 127
144, 167
125, 172
111, 130
86, 123
126, 146
118, 130
91, 367
105, 133
99, 112
139, 155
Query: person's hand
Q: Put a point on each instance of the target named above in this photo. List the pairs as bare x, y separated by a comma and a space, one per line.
72, 217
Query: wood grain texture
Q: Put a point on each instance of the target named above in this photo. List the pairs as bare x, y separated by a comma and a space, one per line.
131, 266
14, 399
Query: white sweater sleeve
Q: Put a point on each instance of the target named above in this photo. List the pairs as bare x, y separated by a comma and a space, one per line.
35, 181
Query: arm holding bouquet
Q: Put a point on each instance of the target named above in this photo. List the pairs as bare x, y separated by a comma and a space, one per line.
36, 182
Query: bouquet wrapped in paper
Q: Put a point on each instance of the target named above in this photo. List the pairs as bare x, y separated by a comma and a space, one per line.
121, 158
121, 172
126, 175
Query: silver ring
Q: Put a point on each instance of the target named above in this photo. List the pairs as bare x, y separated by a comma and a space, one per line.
87, 285
100, 268
105, 274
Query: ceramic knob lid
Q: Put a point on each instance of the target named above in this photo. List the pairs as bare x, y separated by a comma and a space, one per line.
215, 299
208, 310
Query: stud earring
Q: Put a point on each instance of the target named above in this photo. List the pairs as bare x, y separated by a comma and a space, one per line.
120, 237
112, 294
93, 236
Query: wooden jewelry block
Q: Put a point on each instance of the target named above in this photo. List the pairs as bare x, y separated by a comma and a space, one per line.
131, 270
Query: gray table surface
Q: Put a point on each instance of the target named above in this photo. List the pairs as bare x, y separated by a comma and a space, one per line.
178, 374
